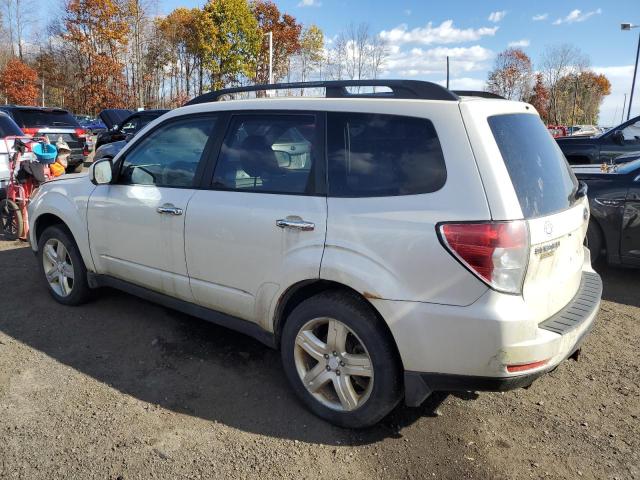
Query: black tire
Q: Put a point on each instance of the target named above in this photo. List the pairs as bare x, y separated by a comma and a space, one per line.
357, 315
594, 241
11, 221
80, 291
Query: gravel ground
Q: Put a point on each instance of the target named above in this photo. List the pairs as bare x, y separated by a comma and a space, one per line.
121, 388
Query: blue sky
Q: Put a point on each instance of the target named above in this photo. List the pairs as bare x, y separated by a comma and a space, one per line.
420, 34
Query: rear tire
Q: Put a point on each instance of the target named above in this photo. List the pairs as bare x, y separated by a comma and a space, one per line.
11, 221
594, 241
351, 378
62, 267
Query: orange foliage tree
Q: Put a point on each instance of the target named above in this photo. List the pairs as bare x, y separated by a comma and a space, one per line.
98, 30
286, 40
512, 74
540, 98
18, 81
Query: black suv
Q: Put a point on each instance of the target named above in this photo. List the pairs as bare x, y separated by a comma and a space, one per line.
53, 123
621, 140
124, 127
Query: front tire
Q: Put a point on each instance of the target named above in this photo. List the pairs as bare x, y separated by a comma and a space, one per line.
340, 361
62, 267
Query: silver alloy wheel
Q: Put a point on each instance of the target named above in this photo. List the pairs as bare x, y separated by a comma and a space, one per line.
334, 364
58, 267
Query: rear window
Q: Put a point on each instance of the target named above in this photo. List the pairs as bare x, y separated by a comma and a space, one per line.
541, 177
44, 118
383, 155
8, 127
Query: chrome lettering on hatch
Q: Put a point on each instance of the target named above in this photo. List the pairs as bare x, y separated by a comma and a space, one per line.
547, 250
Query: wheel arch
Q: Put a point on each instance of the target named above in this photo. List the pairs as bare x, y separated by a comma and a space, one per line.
303, 290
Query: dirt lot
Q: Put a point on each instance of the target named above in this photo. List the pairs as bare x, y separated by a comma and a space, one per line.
121, 388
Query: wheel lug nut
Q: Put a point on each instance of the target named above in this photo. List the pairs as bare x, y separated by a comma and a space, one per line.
328, 368
342, 364
335, 354
337, 372
326, 355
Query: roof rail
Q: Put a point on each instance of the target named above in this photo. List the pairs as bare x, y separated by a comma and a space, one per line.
406, 89
478, 93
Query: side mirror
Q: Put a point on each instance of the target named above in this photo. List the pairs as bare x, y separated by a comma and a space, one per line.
618, 137
101, 172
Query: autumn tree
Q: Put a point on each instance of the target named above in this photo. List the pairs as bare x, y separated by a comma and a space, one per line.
512, 75
579, 96
557, 62
18, 82
540, 98
286, 40
311, 52
98, 32
233, 41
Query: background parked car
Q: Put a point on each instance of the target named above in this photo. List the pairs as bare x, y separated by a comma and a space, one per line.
124, 123
91, 124
625, 138
7, 128
584, 131
614, 198
54, 123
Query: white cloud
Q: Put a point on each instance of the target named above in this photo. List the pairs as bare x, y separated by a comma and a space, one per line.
309, 3
539, 17
418, 62
495, 17
520, 43
577, 16
427, 35
611, 109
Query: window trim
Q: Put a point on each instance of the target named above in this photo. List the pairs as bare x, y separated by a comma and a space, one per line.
319, 170
200, 169
371, 195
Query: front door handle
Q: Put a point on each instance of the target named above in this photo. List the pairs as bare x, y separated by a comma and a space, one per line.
170, 209
296, 223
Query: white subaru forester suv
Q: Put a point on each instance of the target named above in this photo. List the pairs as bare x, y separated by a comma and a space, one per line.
391, 243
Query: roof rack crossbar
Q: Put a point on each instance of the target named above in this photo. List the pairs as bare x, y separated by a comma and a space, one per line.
405, 89
477, 93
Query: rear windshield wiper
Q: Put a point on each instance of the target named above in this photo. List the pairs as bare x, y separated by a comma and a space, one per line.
581, 191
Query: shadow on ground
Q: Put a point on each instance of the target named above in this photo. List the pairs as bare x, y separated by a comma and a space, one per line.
173, 360
620, 285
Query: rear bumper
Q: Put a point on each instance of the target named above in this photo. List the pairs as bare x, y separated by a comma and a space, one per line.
449, 348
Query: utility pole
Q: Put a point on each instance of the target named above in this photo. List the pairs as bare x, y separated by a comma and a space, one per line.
43, 90
270, 34
629, 26
624, 104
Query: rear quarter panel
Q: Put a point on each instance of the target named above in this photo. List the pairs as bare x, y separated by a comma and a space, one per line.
387, 247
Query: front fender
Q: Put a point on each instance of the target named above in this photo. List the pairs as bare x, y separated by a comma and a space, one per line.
70, 209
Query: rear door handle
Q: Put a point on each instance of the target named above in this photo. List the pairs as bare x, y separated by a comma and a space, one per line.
295, 223
169, 209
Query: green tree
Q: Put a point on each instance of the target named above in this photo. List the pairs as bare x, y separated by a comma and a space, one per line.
232, 41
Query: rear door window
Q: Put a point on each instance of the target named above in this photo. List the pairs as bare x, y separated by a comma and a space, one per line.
271, 153
383, 155
44, 118
541, 176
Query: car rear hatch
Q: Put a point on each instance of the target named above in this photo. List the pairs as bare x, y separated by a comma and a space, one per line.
56, 124
527, 178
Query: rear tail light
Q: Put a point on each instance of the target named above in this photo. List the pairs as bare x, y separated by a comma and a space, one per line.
30, 131
496, 252
81, 132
